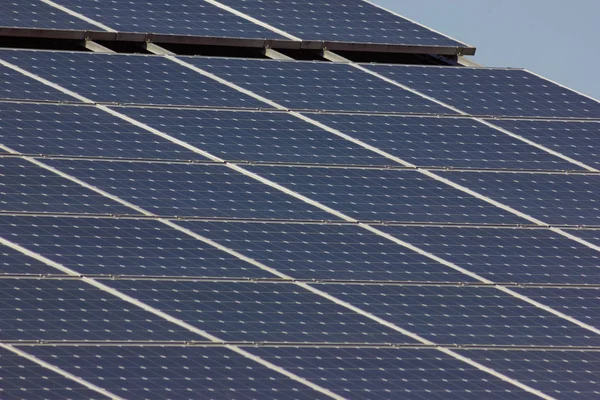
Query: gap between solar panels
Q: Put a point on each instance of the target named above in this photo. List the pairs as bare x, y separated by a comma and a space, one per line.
308, 200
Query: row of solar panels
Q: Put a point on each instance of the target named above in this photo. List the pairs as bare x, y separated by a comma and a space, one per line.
215, 373
67, 310
230, 191
194, 82
279, 137
308, 251
355, 21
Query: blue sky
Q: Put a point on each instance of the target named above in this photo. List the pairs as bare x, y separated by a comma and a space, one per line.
554, 38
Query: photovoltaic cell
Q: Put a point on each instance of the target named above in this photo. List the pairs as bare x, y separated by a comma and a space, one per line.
190, 190
16, 86
24, 379
39, 15
185, 17
174, 372
14, 262
35, 309
488, 91
25, 187
81, 131
508, 255
379, 373
578, 140
319, 251
242, 311
464, 315
553, 198
123, 247
256, 136
580, 303
444, 142
317, 85
386, 195
128, 79
561, 374
341, 21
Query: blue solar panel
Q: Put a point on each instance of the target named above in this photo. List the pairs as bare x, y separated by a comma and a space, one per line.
14, 262
173, 372
576, 139
508, 255
553, 198
319, 251
340, 20
123, 247
444, 142
390, 373
185, 17
464, 315
242, 311
24, 379
580, 303
26, 187
16, 86
386, 195
256, 136
317, 85
488, 91
80, 131
561, 374
38, 15
42, 309
190, 190
129, 79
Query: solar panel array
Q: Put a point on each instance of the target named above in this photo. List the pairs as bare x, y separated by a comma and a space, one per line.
201, 227
348, 21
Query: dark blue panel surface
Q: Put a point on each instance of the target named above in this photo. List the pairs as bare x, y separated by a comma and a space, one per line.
129, 79
444, 142
578, 140
80, 131
190, 190
319, 251
508, 255
123, 247
256, 136
488, 91
386, 195
14, 262
580, 303
24, 379
391, 373
554, 199
340, 20
317, 85
35, 14
28, 188
258, 311
34, 309
464, 315
16, 86
560, 374
174, 372
185, 17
